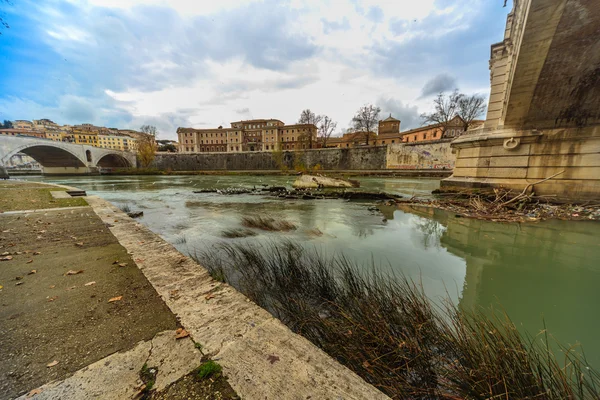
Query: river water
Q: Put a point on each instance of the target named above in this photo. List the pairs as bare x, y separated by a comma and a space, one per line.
537, 272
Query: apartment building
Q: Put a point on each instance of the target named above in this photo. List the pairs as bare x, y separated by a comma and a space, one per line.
248, 135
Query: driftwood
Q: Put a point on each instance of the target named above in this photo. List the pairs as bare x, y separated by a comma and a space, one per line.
523, 193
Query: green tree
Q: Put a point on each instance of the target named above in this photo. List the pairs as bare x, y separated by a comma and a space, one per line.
7, 124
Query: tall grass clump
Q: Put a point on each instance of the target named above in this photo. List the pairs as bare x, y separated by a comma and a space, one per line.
386, 330
267, 223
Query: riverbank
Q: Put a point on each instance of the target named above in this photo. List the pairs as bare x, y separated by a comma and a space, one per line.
77, 317
120, 296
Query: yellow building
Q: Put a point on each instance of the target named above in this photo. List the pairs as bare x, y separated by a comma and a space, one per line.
115, 142
249, 135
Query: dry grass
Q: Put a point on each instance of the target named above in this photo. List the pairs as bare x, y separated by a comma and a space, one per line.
387, 331
268, 224
237, 233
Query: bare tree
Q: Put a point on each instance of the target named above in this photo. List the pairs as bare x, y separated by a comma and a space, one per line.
149, 130
308, 117
326, 128
470, 107
445, 109
366, 121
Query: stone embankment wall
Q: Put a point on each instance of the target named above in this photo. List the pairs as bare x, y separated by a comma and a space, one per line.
433, 155
398, 156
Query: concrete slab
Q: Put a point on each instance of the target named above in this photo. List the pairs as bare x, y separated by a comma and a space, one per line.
118, 375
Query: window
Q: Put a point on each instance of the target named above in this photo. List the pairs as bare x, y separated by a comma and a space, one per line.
393, 141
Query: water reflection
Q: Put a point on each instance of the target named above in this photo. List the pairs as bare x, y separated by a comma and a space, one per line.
543, 271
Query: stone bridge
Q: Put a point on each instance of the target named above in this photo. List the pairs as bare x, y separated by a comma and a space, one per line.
62, 157
543, 116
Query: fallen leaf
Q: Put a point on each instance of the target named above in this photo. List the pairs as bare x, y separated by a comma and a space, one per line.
19, 283
139, 259
52, 298
1, 287
34, 392
72, 272
272, 359
33, 271
90, 283
29, 261
366, 364
5, 253
71, 288
79, 244
42, 232
181, 333
115, 262
122, 264
36, 253
118, 298
209, 296
52, 286
52, 364
7, 258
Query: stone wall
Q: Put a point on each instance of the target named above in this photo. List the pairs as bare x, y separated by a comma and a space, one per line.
433, 155
357, 158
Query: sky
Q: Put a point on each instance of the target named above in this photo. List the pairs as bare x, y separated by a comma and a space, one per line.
201, 64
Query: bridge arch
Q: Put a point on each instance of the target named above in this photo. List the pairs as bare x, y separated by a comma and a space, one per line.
113, 160
47, 155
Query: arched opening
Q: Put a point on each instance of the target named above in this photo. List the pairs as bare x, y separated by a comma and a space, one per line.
113, 161
50, 156
88, 155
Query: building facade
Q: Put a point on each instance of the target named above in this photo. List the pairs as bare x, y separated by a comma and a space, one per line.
248, 135
455, 128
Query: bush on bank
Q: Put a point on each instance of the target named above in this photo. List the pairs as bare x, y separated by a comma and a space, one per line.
386, 330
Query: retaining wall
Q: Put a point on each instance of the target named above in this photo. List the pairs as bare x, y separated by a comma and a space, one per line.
436, 155
432, 155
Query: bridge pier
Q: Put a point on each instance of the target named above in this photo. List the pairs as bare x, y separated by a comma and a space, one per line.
543, 116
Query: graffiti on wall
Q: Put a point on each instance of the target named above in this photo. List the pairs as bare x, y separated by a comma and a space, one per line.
436, 155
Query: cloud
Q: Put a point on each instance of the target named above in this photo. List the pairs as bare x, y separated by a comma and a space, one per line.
407, 114
244, 110
437, 84
330, 26
75, 108
375, 14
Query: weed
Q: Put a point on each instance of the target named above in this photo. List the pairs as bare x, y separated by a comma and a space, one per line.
267, 223
237, 233
126, 208
198, 346
386, 330
148, 376
208, 369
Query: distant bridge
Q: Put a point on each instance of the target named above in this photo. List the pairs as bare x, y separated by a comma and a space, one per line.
62, 157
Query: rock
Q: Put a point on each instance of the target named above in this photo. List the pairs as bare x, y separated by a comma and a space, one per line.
135, 214
311, 181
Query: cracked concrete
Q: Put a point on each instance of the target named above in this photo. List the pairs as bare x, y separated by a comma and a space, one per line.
237, 333
117, 376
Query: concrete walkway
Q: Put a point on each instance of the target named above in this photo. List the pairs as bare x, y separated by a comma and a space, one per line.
260, 356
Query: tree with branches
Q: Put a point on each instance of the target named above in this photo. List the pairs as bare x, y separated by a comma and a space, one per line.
469, 108
365, 121
147, 145
445, 110
308, 117
326, 128
6, 125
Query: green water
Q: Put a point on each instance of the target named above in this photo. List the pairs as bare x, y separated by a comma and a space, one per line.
547, 271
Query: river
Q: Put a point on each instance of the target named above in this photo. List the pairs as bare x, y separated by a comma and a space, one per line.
537, 272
